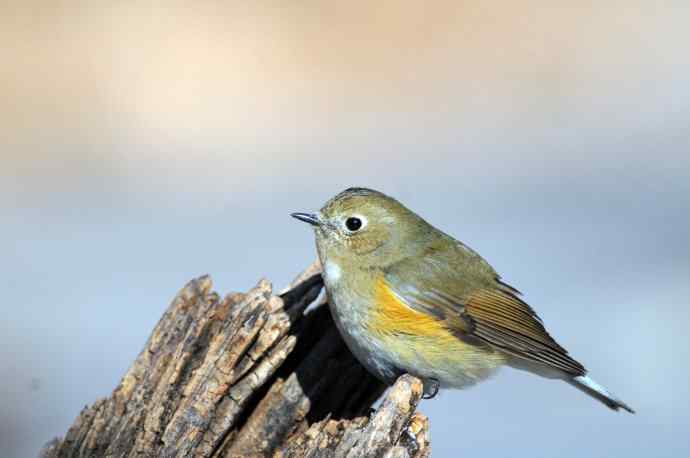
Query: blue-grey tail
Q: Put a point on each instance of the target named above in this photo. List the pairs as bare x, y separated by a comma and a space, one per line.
592, 388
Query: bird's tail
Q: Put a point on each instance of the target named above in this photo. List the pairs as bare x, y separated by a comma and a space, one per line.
592, 388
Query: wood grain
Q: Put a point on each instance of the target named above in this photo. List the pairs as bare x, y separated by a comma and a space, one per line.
248, 374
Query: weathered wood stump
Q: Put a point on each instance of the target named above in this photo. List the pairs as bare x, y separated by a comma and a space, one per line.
249, 375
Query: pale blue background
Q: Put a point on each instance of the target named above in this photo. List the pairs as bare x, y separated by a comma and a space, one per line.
142, 146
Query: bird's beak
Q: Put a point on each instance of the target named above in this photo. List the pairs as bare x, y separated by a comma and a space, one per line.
307, 218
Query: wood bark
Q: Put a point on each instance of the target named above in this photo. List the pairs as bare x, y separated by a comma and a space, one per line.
249, 374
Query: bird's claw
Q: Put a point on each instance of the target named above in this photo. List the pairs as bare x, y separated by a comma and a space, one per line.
431, 387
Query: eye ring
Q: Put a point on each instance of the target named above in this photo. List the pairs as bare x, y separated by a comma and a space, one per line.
354, 223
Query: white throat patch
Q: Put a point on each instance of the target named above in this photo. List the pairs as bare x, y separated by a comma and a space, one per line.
332, 272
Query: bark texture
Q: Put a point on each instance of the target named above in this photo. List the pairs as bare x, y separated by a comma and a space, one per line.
249, 374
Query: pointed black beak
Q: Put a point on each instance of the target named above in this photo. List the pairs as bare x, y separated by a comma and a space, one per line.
307, 218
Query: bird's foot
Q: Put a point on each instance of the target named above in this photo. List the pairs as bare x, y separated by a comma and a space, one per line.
431, 387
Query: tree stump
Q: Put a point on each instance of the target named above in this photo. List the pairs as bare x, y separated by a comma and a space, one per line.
251, 374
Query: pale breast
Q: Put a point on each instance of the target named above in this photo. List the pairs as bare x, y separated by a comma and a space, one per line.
350, 313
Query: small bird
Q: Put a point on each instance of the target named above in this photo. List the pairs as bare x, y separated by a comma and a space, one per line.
408, 298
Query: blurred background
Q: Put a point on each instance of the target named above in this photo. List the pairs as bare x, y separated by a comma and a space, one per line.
143, 144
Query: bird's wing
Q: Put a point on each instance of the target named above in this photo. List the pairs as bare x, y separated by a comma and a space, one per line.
470, 299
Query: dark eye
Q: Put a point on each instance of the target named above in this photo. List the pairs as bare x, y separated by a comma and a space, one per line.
353, 224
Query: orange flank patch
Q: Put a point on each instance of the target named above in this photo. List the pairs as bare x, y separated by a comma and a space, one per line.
422, 342
390, 315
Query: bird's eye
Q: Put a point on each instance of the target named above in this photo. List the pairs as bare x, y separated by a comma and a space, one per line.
353, 224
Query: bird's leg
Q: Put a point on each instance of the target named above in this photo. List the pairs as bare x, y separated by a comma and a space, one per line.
431, 387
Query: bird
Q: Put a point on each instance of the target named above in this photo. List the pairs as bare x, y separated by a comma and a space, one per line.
408, 298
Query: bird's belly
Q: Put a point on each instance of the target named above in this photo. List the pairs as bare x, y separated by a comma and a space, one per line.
440, 356
368, 350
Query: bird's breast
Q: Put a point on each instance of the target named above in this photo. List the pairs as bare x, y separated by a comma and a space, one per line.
350, 302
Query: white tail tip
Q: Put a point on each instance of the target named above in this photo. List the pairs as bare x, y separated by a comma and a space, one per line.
589, 386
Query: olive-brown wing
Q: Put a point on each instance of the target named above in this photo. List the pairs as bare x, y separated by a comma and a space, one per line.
507, 322
478, 306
